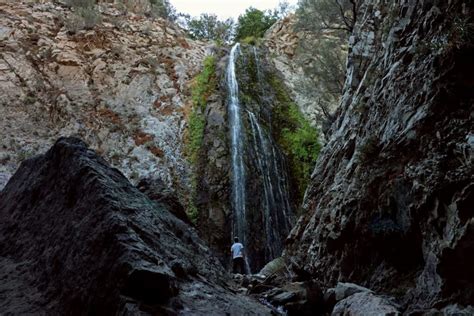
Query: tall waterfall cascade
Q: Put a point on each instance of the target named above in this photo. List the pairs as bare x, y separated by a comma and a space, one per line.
248, 135
238, 170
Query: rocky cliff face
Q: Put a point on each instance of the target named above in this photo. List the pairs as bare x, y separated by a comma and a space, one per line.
213, 175
77, 238
390, 205
288, 54
122, 86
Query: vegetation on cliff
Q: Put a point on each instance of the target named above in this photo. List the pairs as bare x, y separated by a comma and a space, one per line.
296, 136
86, 13
326, 25
253, 23
204, 84
291, 130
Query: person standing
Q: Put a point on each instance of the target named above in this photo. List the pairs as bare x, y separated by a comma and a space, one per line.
237, 250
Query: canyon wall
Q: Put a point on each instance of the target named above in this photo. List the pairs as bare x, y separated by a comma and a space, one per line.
390, 203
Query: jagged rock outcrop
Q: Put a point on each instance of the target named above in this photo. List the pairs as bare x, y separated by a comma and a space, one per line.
390, 205
77, 238
123, 86
282, 41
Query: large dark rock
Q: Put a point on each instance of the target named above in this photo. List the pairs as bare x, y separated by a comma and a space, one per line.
390, 205
77, 238
157, 191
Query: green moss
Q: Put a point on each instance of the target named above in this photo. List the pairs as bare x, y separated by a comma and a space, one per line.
296, 136
204, 85
196, 125
245, 98
250, 40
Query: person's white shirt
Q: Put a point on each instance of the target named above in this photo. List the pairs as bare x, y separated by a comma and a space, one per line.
237, 250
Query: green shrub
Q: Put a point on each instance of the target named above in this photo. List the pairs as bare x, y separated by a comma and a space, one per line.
162, 9
209, 27
254, 23
205, 83
196, 124
301, 142
90, 16
85, 15
81, 3
250, 40
192, 210
296, 136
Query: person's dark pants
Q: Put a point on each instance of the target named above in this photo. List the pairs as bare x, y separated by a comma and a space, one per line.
238, 265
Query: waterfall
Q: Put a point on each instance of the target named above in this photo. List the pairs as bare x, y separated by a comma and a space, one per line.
238, 170
268, 172
276, 206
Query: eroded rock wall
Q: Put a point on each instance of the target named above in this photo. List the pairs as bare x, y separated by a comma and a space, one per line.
390, 205
123, 86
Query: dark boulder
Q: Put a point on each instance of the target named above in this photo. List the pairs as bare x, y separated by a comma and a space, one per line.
158, 191
77, 238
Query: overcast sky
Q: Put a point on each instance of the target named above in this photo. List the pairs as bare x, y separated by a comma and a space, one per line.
223, 8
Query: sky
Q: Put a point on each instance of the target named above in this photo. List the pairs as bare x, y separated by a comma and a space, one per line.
223, 8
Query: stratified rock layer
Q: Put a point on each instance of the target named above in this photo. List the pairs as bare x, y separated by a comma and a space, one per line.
391, 201
77, 238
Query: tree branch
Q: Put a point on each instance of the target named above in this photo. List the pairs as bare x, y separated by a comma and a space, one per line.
343, 16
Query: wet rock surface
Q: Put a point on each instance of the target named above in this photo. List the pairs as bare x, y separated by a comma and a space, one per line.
213, 179
390, 202
77, 238
311, 298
